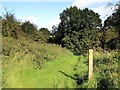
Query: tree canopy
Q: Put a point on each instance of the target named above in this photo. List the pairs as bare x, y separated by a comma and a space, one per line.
76, 28
79, 29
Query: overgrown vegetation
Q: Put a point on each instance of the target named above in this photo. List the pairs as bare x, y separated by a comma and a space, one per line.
31, 61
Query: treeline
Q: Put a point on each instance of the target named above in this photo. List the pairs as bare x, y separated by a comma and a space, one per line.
79, 30
11, 27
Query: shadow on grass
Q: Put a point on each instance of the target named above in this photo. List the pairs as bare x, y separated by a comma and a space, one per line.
75, 77
79, 79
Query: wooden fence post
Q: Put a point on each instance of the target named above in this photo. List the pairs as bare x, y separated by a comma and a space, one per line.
90, 64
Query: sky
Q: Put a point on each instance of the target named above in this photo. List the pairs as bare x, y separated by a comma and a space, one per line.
45, 13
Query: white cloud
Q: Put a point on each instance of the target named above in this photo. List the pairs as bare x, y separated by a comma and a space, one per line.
50, 23
55, 21
39, 21
30, 18
104, 12
86, 3
1, 9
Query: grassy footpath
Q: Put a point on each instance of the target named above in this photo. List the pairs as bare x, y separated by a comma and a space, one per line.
34, 65
29, 64
52, 74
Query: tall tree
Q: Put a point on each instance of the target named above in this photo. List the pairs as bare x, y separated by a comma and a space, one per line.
111, 22
76, 25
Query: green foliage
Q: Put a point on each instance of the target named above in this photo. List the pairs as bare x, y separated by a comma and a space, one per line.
113, 22
29, 62
114, 19
28, 27
45, 33
26, 63
76, 30
10, 25
81, 74
106, 65
110, 39
81, 42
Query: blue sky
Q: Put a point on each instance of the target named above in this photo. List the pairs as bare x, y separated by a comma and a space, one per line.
46, 14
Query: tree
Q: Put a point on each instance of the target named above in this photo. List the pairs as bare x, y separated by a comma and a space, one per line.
75, 28
111, 22
28, 27
114, 19
45, 34
10, 25
45, 31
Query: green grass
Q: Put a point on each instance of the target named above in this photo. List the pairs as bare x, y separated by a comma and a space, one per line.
30, 64
20, 67
23, 75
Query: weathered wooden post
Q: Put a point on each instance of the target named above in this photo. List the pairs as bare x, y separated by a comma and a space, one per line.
90, 64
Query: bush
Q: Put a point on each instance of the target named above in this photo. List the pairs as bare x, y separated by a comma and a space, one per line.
10, 25
106, 64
